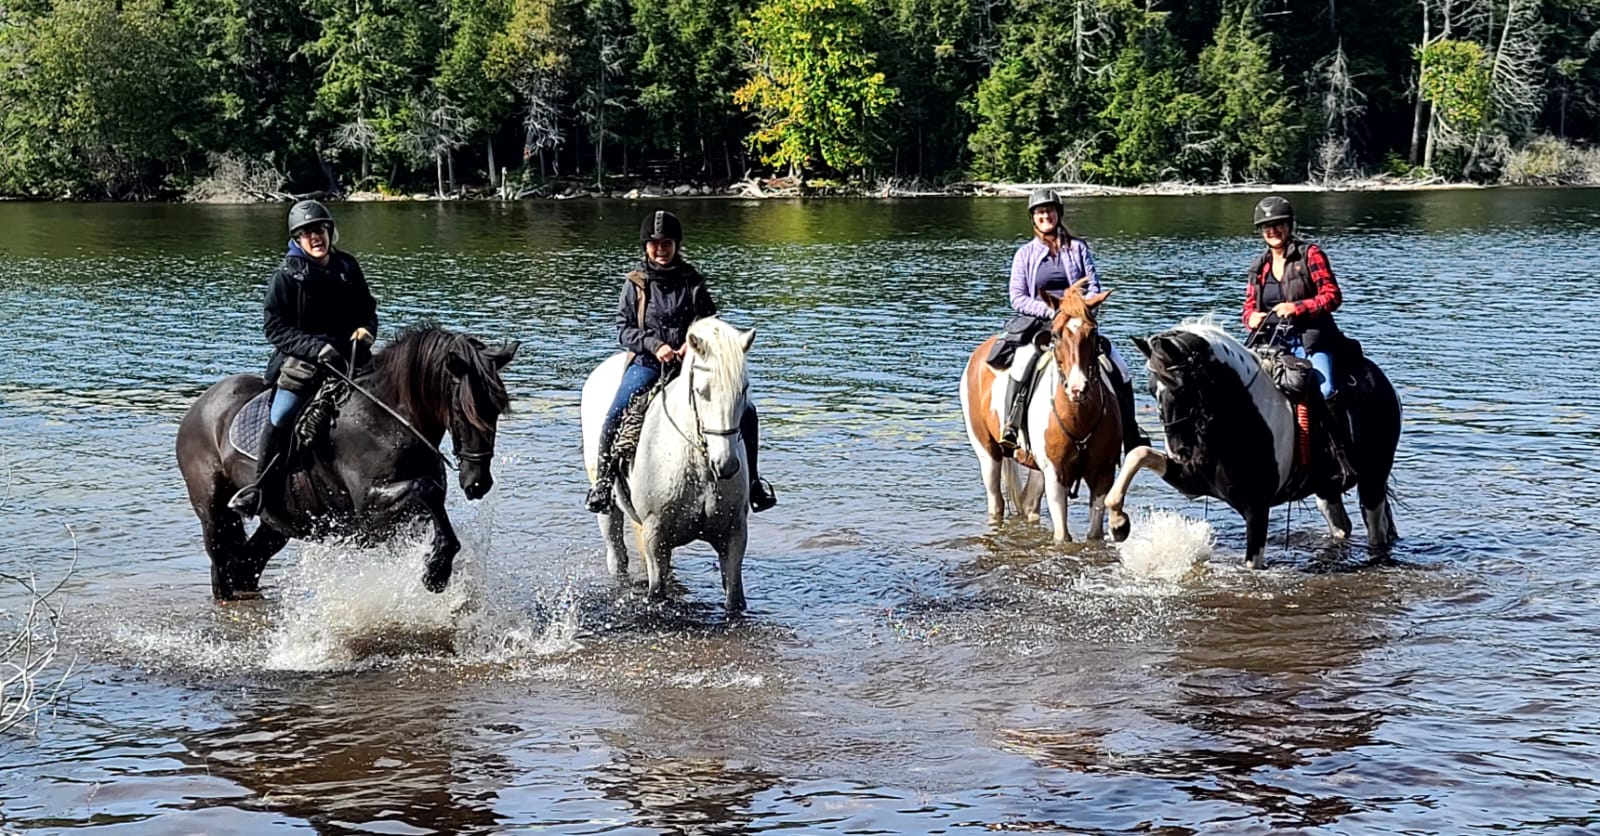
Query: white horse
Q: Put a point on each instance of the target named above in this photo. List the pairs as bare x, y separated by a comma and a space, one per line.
689, 480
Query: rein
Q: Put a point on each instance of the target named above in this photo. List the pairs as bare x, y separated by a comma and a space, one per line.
469, 456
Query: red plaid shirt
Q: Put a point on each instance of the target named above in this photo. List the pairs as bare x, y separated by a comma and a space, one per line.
1327, 298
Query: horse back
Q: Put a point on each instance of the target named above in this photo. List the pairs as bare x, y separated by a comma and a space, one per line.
204, 455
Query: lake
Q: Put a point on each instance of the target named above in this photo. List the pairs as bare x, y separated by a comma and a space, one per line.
905, 668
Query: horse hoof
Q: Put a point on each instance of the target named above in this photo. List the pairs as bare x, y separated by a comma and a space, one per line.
1120, 526
244, 595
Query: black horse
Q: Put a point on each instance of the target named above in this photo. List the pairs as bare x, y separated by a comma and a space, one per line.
369, 473
1232, 435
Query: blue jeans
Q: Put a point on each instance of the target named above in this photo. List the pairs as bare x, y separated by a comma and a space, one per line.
284, 406
1322, 362
638, 377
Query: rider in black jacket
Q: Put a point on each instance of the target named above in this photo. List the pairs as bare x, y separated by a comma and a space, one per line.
319, 312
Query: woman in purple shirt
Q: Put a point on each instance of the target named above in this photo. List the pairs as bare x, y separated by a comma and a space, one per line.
1050, 262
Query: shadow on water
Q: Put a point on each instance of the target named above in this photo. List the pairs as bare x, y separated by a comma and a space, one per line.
346, 762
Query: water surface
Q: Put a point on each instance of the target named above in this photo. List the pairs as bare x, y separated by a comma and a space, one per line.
905, 668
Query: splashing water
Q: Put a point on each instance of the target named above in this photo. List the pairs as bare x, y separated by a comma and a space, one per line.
1166, 545
342, 603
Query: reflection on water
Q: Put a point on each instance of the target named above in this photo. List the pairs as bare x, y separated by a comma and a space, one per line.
904, 668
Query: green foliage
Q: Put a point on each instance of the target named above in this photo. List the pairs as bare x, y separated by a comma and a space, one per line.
1456, 78
101, 100
1149, 111
1252, 124
814, 87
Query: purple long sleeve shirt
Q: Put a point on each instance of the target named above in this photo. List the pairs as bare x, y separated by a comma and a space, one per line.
1076, 260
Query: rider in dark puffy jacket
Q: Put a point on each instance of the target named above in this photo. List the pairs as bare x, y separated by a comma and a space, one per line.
653, 329
319, 311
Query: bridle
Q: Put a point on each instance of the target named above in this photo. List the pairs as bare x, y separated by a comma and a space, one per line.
1096, 380
698, 440
457, 420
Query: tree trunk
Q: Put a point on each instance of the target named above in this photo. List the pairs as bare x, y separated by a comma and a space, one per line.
450, 166
489, 143
438, 172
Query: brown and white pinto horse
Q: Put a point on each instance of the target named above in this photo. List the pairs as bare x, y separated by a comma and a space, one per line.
1073, 429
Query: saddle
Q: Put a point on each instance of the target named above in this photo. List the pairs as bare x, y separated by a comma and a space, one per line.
630, 428
314, 421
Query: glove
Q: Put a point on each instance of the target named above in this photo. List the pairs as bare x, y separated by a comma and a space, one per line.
362, 335
327, 354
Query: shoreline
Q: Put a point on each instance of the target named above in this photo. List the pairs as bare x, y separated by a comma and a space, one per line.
786, 189
780, 188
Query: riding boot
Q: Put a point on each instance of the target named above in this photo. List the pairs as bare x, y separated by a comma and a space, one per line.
269, 470
761, 495
1338, 437
1132, 436
599, 499
1016, 414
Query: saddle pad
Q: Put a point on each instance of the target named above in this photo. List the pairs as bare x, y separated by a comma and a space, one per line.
245, 431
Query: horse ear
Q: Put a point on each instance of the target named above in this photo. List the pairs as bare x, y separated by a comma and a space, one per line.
1144, 346
502, 355
1077, 286
748, 337
456, 365
1096, 299
697, 344
1053, 301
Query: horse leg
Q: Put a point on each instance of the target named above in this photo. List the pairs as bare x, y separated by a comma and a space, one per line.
1332, 507
994, 471
233, 577
1056, 497
441, 558
1097, 506
657, 559
1377, 513
731, 559
1255, 535
1032, 491
1138, 458
616, 546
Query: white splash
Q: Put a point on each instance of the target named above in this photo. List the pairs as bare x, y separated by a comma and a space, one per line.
341, 601
1166, 545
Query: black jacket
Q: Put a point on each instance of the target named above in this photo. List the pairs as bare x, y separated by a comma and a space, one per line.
308, 305
674, 297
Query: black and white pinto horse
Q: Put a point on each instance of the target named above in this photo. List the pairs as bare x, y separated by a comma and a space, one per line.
1231, 434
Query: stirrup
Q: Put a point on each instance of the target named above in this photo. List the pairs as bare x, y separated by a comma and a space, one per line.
247, 501
761, 496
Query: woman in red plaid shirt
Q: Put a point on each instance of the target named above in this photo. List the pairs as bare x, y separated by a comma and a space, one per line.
1292, 286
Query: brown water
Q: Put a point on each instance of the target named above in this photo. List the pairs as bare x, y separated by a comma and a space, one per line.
904, 669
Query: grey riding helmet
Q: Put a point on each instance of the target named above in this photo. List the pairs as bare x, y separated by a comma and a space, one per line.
309, 212
1044, 197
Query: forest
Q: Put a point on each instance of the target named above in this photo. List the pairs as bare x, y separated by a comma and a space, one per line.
149, 99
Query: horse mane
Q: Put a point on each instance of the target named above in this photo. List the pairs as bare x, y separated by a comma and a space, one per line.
1224, 346
422, 352
725, 345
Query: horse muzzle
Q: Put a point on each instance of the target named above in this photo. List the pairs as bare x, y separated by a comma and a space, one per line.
476, 481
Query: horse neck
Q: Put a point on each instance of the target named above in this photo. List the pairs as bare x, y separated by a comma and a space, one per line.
419, 392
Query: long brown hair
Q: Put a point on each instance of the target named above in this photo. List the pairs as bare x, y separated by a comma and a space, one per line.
1054, 242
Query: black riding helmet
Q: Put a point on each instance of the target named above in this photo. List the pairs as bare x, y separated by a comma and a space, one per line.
1044, 197
1271, 209
661, 225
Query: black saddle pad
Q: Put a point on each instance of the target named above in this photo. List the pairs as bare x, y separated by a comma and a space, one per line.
245, 431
